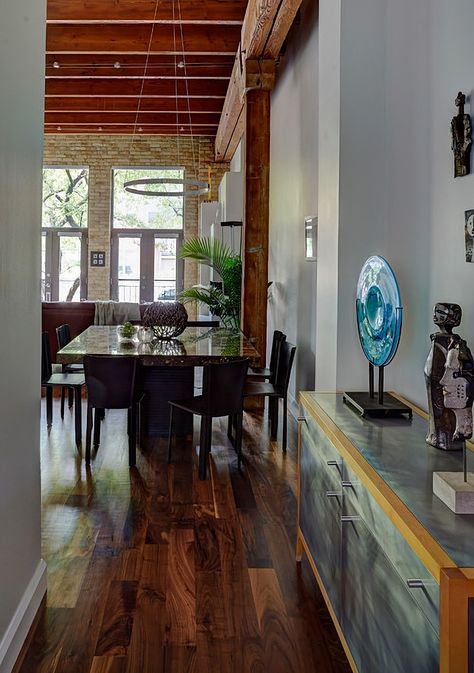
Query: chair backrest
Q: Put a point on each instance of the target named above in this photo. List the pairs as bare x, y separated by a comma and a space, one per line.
46, 369
278, 339
110, 380
63, 333
285, 363
223, 387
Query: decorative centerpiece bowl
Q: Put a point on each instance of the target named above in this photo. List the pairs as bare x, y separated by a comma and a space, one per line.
167, 318
126, 332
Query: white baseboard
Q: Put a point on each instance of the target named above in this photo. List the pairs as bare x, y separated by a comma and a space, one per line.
17, 630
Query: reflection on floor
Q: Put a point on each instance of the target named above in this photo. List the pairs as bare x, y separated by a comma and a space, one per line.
151, 570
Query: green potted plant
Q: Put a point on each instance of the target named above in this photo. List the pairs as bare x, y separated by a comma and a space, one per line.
223, 302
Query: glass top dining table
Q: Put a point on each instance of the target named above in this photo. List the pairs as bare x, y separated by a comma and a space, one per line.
195, 347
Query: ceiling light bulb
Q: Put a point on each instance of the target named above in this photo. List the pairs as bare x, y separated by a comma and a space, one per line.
140, 128
59, 128
100, 128
181, 64
181, 129
117, 64
56, 64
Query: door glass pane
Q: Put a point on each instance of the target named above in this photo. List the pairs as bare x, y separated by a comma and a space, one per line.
69, 268
129, 269
165, 269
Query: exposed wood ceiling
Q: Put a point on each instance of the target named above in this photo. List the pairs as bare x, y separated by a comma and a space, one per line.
116, 66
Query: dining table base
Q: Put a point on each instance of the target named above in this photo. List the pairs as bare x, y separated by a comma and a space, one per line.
161, 384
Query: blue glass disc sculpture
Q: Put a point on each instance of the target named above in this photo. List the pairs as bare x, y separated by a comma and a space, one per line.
379, 321
379, 311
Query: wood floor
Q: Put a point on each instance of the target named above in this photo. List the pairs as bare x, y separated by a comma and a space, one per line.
152, 571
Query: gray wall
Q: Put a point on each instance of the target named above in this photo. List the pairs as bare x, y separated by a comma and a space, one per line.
21, 120
293, 194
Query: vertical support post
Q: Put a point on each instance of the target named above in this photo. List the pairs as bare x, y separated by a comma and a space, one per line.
371, 381
257, 188
381, 385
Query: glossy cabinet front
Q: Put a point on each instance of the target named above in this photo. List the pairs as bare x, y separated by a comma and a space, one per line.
385, 600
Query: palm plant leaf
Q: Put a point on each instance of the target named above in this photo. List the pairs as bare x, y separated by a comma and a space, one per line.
209, 251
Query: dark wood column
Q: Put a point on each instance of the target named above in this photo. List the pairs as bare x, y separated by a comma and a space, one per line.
256, 217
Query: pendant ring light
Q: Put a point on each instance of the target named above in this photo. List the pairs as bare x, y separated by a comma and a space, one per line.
190, 187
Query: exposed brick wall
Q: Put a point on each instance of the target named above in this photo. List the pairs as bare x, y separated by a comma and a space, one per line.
101, 154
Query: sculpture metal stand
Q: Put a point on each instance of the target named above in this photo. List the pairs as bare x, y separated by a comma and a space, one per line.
449, 372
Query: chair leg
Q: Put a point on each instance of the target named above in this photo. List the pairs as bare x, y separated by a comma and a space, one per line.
97, 428
205, 444
170, 432
49, 406
63, 397
71, 397
274, 422
132, 438
88, 434
230, 422
238, 438
285, 423
78, 415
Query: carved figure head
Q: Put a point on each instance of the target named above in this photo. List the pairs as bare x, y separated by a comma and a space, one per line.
447, 316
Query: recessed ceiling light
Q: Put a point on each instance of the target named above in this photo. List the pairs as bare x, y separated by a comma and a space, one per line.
117, 64
59, 128
180, 64
100, 128
140, 128
56, 64
181, 129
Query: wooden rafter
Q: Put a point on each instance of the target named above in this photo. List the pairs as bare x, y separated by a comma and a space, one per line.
108, 11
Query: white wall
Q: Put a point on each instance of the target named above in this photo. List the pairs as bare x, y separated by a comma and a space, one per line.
293, 195
21, 121
389, 73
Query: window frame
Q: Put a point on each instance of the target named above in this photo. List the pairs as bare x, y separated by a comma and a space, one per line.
52, 244
147, 245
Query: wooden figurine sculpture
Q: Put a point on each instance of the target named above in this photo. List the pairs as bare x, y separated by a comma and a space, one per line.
461, 138
449, 375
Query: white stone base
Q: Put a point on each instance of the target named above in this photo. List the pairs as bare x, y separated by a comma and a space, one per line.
457, 494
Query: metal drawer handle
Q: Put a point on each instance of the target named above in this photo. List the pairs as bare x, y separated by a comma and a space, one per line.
334, 494
334, 463
419, 583
347, 484
348, 519
302, 419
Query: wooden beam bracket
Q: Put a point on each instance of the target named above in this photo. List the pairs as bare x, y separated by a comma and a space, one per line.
259, 74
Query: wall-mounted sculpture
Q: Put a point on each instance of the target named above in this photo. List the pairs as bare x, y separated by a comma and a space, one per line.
461, 138
469, 234
449, 376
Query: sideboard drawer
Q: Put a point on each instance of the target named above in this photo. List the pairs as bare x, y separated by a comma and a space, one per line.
383, 625
320, 488
358, 500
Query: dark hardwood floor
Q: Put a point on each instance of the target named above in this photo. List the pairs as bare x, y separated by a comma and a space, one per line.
152, 571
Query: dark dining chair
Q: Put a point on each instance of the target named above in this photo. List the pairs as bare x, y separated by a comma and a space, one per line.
63, 335
64, 380
276, 391
270, 371
222, 395
112, 383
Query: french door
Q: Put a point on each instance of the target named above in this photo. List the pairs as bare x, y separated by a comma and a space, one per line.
63, 265
145, 265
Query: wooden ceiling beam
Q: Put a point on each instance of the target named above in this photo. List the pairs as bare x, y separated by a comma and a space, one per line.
119, 104
116, 39
101, 118
134, 87
265, 27
144, 10
129, 130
